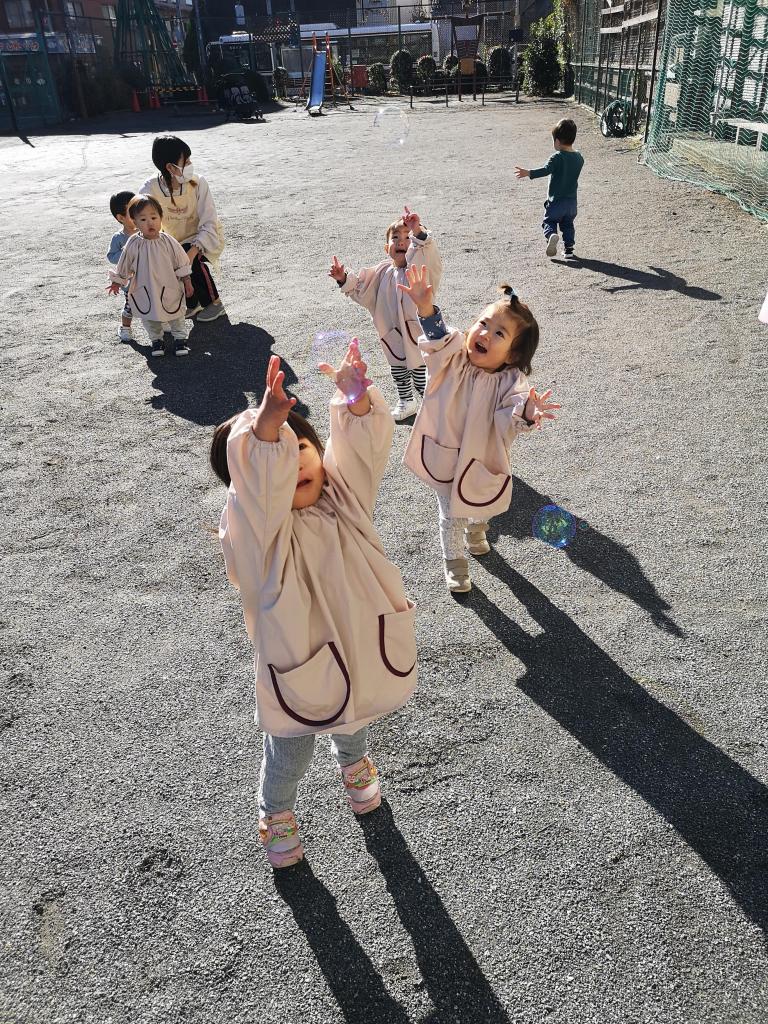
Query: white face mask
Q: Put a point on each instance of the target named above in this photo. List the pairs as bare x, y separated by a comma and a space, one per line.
186, 173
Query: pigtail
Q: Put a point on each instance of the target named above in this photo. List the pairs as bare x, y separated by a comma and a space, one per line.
527, 338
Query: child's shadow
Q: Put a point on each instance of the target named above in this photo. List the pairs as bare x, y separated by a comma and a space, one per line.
591, 551
659, 280
717, 807
227, 362
455, 984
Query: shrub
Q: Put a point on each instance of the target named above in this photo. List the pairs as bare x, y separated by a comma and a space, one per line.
499, 62
426, 66
281, 81
377, 79
541, 67
401, 68
450, 63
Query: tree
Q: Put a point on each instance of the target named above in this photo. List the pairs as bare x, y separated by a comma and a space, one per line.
541, 67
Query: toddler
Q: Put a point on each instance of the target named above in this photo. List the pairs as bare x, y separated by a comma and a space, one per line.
118, 207
326, 611
153, 265
477, 401
408, 243
564, 166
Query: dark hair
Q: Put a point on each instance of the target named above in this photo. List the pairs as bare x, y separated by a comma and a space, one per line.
139, 203
302, 428
167, 149
118, 203
526, 341
565, 131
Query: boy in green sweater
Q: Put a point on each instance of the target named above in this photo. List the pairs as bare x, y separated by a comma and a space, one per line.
564, 166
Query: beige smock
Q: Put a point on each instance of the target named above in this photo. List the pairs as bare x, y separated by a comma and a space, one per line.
394, 313
154, 267
191, 217
326, 611
459, 445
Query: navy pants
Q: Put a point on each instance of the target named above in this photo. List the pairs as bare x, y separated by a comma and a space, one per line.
559, 215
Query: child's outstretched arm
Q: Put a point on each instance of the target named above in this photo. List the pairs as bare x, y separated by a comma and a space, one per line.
522, 410
362, 287
536, 172
124, 271
423, 251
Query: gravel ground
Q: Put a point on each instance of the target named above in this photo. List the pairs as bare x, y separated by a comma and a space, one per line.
577, 795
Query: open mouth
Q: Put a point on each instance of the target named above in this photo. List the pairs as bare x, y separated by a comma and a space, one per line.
480, 348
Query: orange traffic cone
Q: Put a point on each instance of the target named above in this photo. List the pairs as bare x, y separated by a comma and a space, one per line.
135, 105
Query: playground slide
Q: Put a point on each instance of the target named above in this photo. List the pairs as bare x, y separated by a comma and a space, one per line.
317, 83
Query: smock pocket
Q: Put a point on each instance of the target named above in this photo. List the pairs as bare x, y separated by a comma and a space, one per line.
393, 344
439, 461
413, 327
317, 692
478, 487
176, 308
397, 641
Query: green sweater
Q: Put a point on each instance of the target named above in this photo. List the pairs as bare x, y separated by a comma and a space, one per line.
565, 169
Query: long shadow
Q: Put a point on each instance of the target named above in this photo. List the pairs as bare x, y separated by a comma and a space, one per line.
659, 280
457, 987
717, 807
591, 551
212, 383
352, 978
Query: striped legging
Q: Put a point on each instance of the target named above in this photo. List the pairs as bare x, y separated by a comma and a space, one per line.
403, 377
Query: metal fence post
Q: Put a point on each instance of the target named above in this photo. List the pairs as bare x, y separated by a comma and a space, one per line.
581, 52
653, 74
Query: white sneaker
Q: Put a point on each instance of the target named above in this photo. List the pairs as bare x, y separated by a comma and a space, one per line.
552, 244
125, 333
404, 410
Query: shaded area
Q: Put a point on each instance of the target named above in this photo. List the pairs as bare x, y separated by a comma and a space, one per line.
591, 551
658, 280
717, 807
226, 362
356, 985
459, 990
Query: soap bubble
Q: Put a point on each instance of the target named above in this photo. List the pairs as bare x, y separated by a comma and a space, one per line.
331, 347
554, 525
392, 126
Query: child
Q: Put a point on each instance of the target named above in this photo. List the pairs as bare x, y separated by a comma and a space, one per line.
565, 166
324, 607
190, 217
394, 315
477, 401
118, 205
154, 265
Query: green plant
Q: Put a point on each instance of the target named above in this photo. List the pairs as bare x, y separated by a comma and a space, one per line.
426, 66
499, 62
401, 68
190, 52
560, 13
541, 67
377, 79
450, 62
281, 81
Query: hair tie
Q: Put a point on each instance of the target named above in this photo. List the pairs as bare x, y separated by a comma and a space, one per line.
510, 292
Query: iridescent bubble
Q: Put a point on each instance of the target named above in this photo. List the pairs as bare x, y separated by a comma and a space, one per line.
331, 347
392, 126
554, 525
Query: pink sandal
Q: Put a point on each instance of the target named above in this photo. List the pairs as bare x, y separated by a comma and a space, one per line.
279, 835
361, 782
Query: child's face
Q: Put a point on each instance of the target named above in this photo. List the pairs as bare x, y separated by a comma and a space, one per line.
311, 475
397, 246
149, 222
490, 340
128, 226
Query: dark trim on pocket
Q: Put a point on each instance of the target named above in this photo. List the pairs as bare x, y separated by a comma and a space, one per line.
410, 335
423, 438
387, 663
479, 504
170, 312
400, 359
311, 721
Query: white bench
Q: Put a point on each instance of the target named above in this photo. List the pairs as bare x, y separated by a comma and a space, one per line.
749, 126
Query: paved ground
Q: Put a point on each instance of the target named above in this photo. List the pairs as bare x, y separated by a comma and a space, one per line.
577, 795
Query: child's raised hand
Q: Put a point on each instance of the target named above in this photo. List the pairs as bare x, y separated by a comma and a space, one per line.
522, 172
419, 289
412, 221
337, 271
350, 378
537, 408
275, 405
113, 288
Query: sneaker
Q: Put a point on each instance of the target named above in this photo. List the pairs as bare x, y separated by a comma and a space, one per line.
192, 311
552, 244
158, 349
212, 312
279, 835
125, 333
475, 540
404, 410
180, 347
570, 254
457, 575
361, 781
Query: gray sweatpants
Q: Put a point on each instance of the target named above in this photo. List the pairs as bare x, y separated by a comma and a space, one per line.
156, 328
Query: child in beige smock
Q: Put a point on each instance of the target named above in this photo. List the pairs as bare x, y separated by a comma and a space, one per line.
478, 400
394, 315
326, 611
